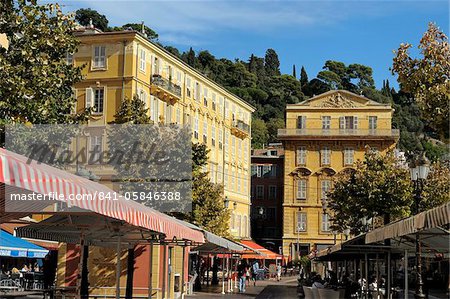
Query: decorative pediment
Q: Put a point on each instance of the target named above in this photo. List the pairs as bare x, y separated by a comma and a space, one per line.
347, 171
337, 100
326, 171
301, 172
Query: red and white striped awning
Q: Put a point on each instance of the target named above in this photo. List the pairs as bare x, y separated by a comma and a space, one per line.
18, 172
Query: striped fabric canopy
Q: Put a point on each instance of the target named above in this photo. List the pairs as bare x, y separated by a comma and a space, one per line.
18, 173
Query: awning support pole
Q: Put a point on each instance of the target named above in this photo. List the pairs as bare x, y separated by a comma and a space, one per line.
223, 274
118, 268
130, 273
165, 265
389, 276
366, 273
150, 271
182, 270
229, 281
406, 274
377, 275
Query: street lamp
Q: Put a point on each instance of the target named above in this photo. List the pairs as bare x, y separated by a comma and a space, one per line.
419, 169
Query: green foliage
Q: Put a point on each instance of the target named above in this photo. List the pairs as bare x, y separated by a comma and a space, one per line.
303, 77
133, 112
272, 63
35, 80
151, 34
272, 128
379, 188
208, 208
427, 78
84, 16
260, 134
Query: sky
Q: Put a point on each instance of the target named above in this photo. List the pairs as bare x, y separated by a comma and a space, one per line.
304, 33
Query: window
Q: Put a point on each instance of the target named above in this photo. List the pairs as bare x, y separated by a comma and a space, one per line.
156, 66
259, 171
178, 116
188, 87
227, 110
272, 192
225, 178
168, 115
205, 130
197, 91
142, 63
69, 58
213, 135
259, 191
214, 101
301, 222
238, 179
154, 103
196, 127
326, 122
99, 57
348, 122
325, 156
96, 148
178, 78
349, 156
325, 222
212, 173
301, 122
273, 170
301, 155
220, 138
233, 145
301, 189
95, 99
325, 188
143, 97
372, 122
205, 97
219, 173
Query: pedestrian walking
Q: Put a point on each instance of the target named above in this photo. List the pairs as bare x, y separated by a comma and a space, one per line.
242, 273
278, 272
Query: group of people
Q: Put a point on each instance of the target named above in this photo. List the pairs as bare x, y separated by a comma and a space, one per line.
247, 273
25, 269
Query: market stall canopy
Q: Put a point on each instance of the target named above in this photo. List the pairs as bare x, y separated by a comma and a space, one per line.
213, 243
261, 252
422, 223
10, 227
29, 176
16, 247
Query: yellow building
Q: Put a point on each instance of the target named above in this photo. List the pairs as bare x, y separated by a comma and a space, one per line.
121, 64
325, 135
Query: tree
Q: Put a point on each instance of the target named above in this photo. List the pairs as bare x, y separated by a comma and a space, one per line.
260, 134
427, 78
272, 63
208, 208
35, 79
294, 73
378, 188
303, 77
151, 34
272, 128
132, 111
437, 186
190, 57
85, 15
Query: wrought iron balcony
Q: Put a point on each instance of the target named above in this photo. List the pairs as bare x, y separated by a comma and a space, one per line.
165, 89
338, 133
240, 129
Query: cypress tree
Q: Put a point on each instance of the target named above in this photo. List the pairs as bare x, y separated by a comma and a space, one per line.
272, 63
303, 77
294, 73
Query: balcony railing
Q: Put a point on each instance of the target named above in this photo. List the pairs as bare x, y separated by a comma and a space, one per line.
393, 133
159, 81
241, 126
240, 129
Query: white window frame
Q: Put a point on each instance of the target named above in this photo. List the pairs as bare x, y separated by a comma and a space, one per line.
325, 156
142, 60
325, 222
213, 135
302, 186
99, 57
95, 140
301, 224
96, 102
373, 122
349, 156
325, 187
326, 122
301, 122
301, 155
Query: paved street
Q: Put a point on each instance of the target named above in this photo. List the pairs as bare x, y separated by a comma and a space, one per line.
286, 288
